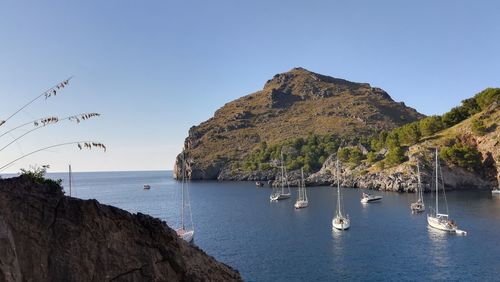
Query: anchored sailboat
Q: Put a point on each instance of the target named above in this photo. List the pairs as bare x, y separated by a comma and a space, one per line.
281, 194
438, 220
340, 221
419, 205
184, 232
302, 201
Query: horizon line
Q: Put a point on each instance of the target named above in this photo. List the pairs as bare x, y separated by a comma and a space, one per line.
97, 171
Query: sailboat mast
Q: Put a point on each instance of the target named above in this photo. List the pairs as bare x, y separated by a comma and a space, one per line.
70, 184
302, 186
338, 188
437, 184
282, 174
419, 188
183, 168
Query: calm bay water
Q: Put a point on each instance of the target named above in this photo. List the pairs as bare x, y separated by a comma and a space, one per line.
236, 223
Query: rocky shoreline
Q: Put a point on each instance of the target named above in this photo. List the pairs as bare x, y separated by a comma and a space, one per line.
46, 236
401, 178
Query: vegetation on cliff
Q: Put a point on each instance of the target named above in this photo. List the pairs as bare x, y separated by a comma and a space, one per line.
479, 117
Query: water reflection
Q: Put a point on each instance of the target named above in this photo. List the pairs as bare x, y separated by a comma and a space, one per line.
438, 251
338, 251
337, 239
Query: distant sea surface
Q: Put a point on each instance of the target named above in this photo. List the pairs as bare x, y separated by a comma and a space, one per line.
236, 223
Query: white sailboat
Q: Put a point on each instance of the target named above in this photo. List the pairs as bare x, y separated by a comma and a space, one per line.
184, 232
340, 221
281, 194
438, 220
302, 201
419, 205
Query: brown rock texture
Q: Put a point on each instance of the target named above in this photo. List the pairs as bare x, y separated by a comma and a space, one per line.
46, 236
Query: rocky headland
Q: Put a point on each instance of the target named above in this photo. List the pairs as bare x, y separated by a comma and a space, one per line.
306, 114
46, 236
403, 177
290, 105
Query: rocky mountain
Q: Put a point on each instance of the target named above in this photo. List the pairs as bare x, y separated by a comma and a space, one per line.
291, 104
403, 178
46, 236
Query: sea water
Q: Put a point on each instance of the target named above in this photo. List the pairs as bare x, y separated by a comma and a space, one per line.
237, 224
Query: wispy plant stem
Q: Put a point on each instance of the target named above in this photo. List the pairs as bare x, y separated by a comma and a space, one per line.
40, 121
43, 149
65, 82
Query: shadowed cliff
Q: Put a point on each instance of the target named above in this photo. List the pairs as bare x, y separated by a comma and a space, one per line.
46, 236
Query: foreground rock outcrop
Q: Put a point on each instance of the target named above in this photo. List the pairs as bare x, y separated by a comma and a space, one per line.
46, 236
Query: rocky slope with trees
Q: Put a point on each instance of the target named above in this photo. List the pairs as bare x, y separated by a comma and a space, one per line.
46, 236
468, 139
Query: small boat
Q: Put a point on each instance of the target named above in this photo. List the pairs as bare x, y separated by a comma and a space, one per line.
302, 201
419, 205
340, 222
495, 192
281, 194
147, 187
368, 198
184, 232
185, 235
438, 220
259, 184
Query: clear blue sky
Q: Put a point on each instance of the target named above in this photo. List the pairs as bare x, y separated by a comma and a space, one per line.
155, 68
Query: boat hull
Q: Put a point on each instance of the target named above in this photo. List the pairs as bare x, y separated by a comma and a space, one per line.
372, 199
185, 235
417, 207
301, 204
342, 224
277, 197
440, 224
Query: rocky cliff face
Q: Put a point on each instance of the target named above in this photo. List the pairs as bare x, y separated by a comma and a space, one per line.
403, 177
290, 105
46, 236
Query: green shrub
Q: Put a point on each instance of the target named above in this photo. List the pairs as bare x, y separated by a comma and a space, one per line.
462, 155
355, 156
430, 125
478, 127
395, 156
487, 97
455, 116
37, 174
371, 157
